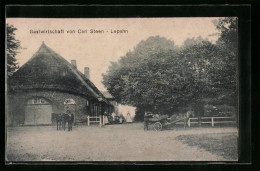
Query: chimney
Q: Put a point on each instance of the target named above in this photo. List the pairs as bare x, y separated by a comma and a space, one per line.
86, 72
73, 62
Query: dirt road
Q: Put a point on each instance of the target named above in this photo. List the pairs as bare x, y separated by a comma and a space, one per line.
127, 142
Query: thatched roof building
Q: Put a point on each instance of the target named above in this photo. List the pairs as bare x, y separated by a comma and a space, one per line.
48, 70
47, 75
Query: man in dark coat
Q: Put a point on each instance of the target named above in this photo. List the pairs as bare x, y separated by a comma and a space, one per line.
70, 121
147, 115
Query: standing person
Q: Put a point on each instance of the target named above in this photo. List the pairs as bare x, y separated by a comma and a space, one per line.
110, 118
70, 120
120, 119
186, 118
113, 116
106, 118
128, 118
147, 115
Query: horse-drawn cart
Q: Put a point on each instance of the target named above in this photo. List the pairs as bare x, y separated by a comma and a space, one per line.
161, 121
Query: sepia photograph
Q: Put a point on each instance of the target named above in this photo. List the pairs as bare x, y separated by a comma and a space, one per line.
122, 89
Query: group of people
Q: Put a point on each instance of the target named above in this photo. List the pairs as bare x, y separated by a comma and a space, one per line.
62, 119
113, 118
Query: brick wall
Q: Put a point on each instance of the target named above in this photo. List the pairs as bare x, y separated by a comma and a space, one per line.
17, 102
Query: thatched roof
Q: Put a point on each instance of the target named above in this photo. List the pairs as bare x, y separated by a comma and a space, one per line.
48, 70
108, 95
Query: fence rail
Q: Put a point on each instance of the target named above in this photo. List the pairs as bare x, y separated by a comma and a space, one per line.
210, 120
96, 119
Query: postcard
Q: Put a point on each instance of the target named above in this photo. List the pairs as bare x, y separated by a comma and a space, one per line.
122, 89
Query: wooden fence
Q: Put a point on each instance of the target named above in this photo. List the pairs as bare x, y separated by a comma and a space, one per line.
211, 120
192, 121
96, 119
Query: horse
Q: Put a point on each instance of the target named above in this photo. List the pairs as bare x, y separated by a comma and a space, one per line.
59, 117
183, 117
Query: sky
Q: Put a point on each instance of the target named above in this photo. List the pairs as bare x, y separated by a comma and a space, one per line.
96, 50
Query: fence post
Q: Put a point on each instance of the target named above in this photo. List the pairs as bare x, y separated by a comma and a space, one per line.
100, 121
212, 121
189, 122
88, 120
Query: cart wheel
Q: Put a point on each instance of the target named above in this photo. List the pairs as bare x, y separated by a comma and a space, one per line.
157, 126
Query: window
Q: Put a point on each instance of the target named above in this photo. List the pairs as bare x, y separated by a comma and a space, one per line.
38, 100
69, 101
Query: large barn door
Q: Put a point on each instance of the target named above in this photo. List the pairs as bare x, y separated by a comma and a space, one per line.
38, 111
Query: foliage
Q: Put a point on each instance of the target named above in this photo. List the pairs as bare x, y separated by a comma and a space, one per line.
193, 41
132, 80
12, 48
228, 44
139, 113
213, 71
228, 29
158, 77
219, 110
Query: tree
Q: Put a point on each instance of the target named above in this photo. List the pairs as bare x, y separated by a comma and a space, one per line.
214, 67
228, 42
159, 78
193, 41
166, 81
135, 78
228, 33
12, 48
211, 75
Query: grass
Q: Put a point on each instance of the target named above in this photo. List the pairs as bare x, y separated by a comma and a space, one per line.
221, 144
